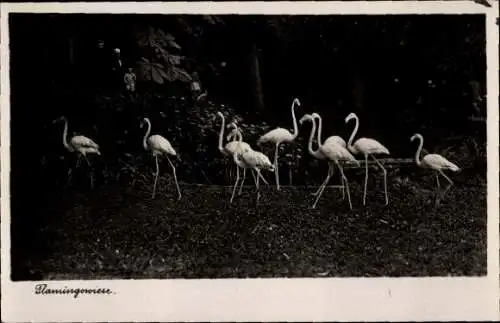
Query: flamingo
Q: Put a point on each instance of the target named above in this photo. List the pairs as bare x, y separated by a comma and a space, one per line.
281, 135
334, 153
232, 146
159, 146
367, 147
332, 139
254, 160
435, 162
236, 135
81, 144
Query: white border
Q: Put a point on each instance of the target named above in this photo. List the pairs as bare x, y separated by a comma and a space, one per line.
325, 299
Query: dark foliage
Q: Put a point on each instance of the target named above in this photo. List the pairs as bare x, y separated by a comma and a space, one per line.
400, 74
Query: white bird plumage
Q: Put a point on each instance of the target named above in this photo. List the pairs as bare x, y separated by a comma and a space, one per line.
279, 136
334, 153
330, 140
254, 160
80, 144
367, 147
159, 146
435, 162
237, 145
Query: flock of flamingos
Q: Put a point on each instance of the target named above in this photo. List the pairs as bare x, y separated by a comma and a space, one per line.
334, 150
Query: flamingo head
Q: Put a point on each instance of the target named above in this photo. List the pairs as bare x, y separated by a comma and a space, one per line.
351, 115
232, 125
144, 121
305, 117
315, 115
296, 101
415, 136
218, 114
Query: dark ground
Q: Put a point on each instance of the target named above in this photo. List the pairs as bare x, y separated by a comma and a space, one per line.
120, 232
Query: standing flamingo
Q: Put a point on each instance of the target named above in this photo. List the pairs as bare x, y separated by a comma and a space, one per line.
236, 135
159, 146
334, 153
332, 139
278, 136
255, 161
81, 144
232, 146
435, 162
367, 147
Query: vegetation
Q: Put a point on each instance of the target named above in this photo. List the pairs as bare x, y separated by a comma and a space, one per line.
400, 74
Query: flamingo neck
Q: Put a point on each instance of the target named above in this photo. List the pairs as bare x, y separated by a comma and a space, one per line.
221, 133
239, 136
237, 160
144, 143
65, 134
320, 127
419, 150
295, 126
311, 137
354, 132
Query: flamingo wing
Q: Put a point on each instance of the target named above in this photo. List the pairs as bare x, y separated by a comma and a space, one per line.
335, 151
233, 147
438, 162
83, 142
370, 146
275, 136
161, 144
335, 140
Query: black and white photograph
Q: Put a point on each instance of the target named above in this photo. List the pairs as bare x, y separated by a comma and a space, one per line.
241, 145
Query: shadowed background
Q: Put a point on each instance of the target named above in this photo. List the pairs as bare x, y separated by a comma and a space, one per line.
400, 74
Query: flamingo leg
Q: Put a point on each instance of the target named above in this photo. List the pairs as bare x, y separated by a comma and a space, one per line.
263, 178
90, 171
319, 188
156, 177
175, 178
366, 179
257, 184
276, 172
448, 187
70, 171
243, 180
344, 182
235, 184
385, 178
436, 201
322, 187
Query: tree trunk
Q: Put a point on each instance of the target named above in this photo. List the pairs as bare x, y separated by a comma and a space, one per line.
258, 94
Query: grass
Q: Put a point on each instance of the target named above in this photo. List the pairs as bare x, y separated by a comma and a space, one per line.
120, 232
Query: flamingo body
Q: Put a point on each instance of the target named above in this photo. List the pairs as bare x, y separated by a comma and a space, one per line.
368, 146
438, 162
335, 140
435, 162
255, 161
333, 151
279, 136
159, 145
83, 145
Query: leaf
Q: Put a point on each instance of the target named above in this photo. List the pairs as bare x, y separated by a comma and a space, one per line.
173, 44
157, 77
